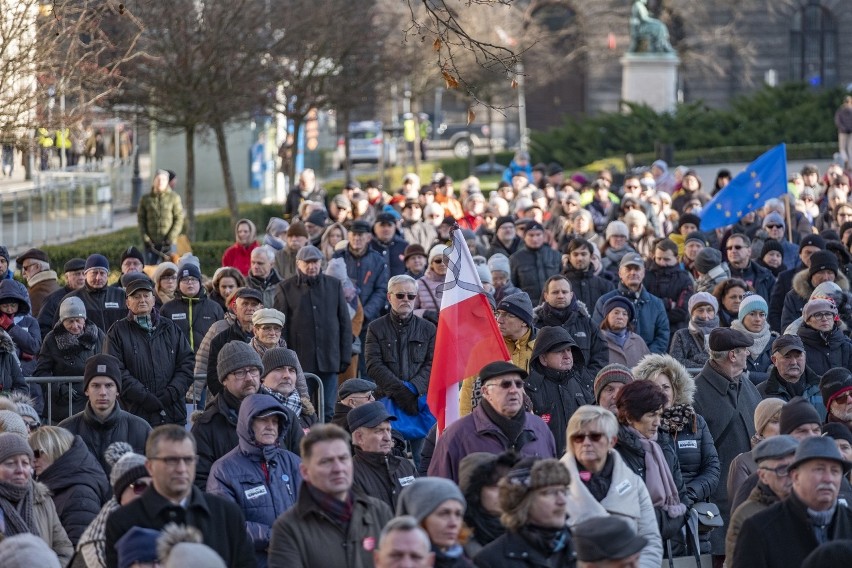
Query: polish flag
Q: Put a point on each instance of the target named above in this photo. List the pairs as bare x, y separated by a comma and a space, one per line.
468, 337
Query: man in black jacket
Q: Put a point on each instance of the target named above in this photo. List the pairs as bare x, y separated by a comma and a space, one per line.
738, 250
785, 533
534, 263
103, 421
75, 279
104, 304
377, 471
389, 243
171, 498
351, 394
246, 302
577, 260
807, 247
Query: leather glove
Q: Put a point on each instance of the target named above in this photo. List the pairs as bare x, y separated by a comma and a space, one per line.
6, 321
151, 403
406, 399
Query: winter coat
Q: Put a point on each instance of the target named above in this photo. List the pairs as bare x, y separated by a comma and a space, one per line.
220, 522
674, 286
233, 332
306, 536
48, 525
318, 326
160, 216
650, 322
41, 286
782, 536
382, 476
266, 287
783, 284
428, 294
807, 387
158, 363
202, 350
759, 278
285, 263
399, 350
587, 287
740, 470
728, 407
262, 480
239, 256
11, 378
193, 316
688, 348
25, 332
824, 351
498, 246
49, 308
627, 499
799, 295
511, 550
370, 275
392, 253
708, 282
79, 488
758, 368
98, 435
631, 353
760, 499
419, 233
531, 268
63, 355
578, 323
477, 433
104, 306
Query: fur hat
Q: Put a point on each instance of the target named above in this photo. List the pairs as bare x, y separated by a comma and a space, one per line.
425, 494
766, 410
683, 385
236, 355
526, 476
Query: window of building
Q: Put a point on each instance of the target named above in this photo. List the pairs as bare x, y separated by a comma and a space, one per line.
813, 46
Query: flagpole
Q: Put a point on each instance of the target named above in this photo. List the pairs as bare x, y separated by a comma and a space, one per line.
789, 214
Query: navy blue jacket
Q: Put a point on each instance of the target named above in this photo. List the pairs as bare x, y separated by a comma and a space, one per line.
370, 275
651, 322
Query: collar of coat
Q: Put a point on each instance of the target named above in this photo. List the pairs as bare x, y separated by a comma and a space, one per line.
42, 276
715, 379
483, 424
155, 504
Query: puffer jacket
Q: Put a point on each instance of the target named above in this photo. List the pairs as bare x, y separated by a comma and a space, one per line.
193, 316
807, 387
158, 363
202, 350
399, 350
826, 351
160, 217
760, 499
63, 355
531, 268
651, 322
79, 488
587, 287
799, 294
382, 476
263, 480
237, 255
11, 378
555, 394
370, 275
577, 321
674, 286
25, 332
428, 295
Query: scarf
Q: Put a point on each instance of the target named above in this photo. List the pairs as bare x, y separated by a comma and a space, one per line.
761, 338
17, 505
546, 540
486, 527
338, 511
704, 328
597, 483
548, 315
148, 322
658, 477
677, 417
619, 337
85, 340
232, 405
820, 521
512, 427
261, 349
93, 541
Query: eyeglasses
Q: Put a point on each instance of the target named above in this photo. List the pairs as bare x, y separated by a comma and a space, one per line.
174, 461
780, 471
735, 247
507, 384
139, 487
842, 398
580, 437
401, 296
172, 278
368, 396
823, 315
241, 374
774, 226
26, 267
437, 261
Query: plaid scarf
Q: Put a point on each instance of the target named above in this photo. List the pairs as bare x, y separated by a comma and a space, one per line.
339, 511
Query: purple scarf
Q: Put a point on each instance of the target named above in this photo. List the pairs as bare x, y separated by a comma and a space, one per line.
658, 477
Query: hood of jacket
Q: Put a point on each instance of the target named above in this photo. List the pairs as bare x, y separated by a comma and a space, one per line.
14, 290
801, 284
252, 229
252, 406
6, 343
75, 467
682, 383
548, 337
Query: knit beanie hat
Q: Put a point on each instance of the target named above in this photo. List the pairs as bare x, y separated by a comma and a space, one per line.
437, 250
831, 554
26, 409
692, 218
297, 229
773, 218
822, 260
837, 431
619, 301
766, 410
132, 252
616, 228
499, 263
96, 261
126, 470
179, 546
707, 259
11, 444
695, 236
770, 245
834, 383
13, 423
519, 305
425, 494
528, 475
189, 258
188, 270
278, 357
752, 303
4, 252
817, 306
26, 550
612, 373
137, 545
484, 273
827, 290
72, 307
102, 365
700, 298
795, 413
236, 355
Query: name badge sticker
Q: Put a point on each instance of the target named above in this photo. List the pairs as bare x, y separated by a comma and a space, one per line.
178, 316
406, 481
623, 487
687, 444
255, 492
111, 305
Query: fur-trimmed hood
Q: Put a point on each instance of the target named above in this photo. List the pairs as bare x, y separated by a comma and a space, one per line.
682, 383
6, 343
803, 287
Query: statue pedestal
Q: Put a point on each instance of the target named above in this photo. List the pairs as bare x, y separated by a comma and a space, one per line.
651, 79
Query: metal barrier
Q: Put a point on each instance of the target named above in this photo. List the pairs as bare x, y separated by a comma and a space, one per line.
320, 402
48, 398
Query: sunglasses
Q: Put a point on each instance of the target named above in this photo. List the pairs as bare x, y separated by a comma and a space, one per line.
139, 487
37, 453
774, 226
438, 261
580, 437
401, 296
736, 247
507, 384
842, 398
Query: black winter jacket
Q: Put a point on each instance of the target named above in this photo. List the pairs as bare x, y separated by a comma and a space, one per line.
63, 355
233, 332
758, 277
399, 350
196, 314
807, 387
674, 286
119, 426
783, 284
498, 247
79, 488
381, 476
699, 461
578, 323
393, 253
104, 306
586, 286
11, 378
555, 396
511, 550
826, 351
531, 268
159, 363
47, 316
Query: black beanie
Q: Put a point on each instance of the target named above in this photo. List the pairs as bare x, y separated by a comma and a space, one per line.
689, 218
796, 413
771, 245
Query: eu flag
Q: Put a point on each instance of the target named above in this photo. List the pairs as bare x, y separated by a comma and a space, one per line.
763, 179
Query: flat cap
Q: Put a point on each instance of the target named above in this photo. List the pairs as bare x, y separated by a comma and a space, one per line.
631, 259
309, 253
74, 265
356, 385
786, 343
360, 226
142, 282
248, 293
33, 253
606, 538
498, 369
386, 218
774, 448
819, 448
368, 415
726, 339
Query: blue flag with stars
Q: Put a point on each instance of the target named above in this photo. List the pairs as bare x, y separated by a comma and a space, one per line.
763, 179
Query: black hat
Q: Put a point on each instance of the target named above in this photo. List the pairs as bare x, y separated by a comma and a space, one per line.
831, 554
278, 357
132, 252
4, 252
140, 282
552, 339
770, 245
318, 218
309, 253
189, 270
726, 339
519, 305
823, 260
812, 240
837, 431
775, 447
413, 250
368, 415
33, 253
689, 218
386, 218
619, 301
498, 369
102, 365
534, 226
503, 220
818, 448
96, 262
606, 538
695, 236
246, 292
786, 343
834, 383
554, 168
352, 386
797, 412
707, 259
74, 265
360, 226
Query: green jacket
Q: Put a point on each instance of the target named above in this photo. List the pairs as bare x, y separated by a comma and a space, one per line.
160, 217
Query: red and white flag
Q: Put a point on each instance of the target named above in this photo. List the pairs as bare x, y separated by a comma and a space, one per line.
468, 337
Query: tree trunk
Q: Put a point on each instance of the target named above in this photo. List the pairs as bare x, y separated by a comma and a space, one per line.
189, 202
227, 175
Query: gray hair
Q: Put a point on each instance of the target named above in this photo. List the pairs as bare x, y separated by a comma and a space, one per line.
405, 523
718, 355
433, 208
586, 414
265, 250
42, 265
400, 279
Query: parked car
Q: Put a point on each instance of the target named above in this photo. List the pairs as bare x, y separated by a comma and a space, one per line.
367, 141
462, 139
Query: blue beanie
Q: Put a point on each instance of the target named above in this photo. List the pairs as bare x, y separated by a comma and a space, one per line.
751, 303
137, 545
97, 261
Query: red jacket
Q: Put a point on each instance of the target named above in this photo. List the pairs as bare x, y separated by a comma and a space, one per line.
239, 256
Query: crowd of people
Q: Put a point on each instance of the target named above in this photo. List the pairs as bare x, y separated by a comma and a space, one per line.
669, 392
